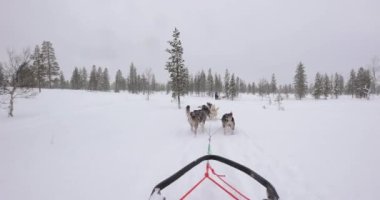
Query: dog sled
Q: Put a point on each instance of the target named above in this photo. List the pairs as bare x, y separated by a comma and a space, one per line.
217, 179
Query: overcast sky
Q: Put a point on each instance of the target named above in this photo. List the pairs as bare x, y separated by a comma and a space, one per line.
252, 38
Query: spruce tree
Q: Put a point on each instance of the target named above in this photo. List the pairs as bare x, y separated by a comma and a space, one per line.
49, 61
118, 81
326, 86
254, 88
105, 80
227, 83
99, 79
39, 67
2, 77
337, 89
132, 79
318, 86
154, 84
75, 80
175, 65
233, 87
83, 77
300, 83
273, 85
363, 83
92, 83
62, 81
210, 83
351, 86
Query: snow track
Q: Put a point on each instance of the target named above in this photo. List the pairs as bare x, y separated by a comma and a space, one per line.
95, 145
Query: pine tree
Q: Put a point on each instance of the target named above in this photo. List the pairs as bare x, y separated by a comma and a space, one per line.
210, 83
233, 87
263, 87
99, 79
49, 61
202, 82
39, 67
154, 84
336, 85
75, 80
254, 88
326, 85
227, 83
273, 85
83, 77
105, 80
62, 81
178, 72
2, 77
132, 79
318, 86
363, 83
93, 83
351, 86
300, 83
118, 81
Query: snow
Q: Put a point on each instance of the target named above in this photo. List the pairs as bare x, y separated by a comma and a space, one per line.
66, 144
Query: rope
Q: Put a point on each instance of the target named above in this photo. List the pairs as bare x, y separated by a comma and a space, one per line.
206, 176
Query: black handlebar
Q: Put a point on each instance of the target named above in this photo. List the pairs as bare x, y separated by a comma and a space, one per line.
271, 191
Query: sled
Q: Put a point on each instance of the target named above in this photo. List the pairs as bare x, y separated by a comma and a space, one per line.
230, 190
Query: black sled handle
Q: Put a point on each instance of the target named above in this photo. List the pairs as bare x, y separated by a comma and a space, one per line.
271, 191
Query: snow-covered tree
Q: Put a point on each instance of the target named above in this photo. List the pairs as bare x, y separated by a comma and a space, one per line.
326, 85
99, 79
318, 86
227, 83
175, 65
210, 83
154, 83
105, 81
363, 83
62, 81
337, 85
233, 87
273, 85
39, 67
300, 83
351, 83
75, 80
83, 78
149, 82
49, 61
93, 82
18, 79
119, 81
132, 79
2, 78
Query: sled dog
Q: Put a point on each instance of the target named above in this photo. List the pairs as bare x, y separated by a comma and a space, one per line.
213, 110
228, 121
197, 117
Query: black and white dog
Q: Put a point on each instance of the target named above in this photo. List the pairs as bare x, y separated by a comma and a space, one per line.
197, 117
228, 121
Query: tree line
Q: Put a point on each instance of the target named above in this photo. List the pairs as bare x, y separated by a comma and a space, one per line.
360, 84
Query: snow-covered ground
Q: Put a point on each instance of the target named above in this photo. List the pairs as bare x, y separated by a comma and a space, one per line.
94, 145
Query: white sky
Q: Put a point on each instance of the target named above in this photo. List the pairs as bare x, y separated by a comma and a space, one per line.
252, 38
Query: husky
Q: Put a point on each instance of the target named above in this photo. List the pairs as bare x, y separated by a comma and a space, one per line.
197, 117
213, 110
228, 121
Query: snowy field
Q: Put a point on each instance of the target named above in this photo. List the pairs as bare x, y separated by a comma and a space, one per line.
82, 145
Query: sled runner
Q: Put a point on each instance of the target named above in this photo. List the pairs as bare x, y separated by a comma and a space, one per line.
221, 183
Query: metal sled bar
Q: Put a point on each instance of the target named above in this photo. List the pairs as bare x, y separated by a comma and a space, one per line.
271, 191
